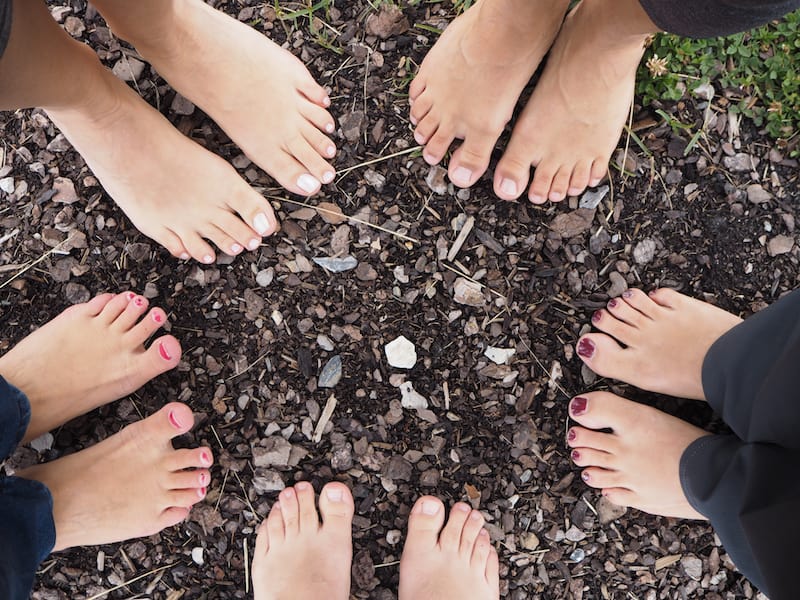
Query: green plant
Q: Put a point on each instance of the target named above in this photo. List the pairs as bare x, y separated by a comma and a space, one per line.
761, 64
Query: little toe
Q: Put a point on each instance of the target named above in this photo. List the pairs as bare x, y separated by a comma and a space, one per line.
437, 146
641, 302
171, 516
560, 184
198, 248
627, 313
133, 311
424, 524
324, 147
237, 234
313, 91
320, 118
450, 538
422, 106
589, 457
470, 160
115, 307
290, 509
275, 528
418, 85
480, 550
469, 533
308, 517
620, 496
492, 571
580, 178
262, 540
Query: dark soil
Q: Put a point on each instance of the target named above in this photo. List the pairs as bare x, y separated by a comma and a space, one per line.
251, 356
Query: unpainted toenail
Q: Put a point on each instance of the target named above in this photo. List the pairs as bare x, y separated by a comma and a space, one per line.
586, 348
331, 150
556, 197
157, 317
475, 515
571, 435
573, 191
330, 128
429, 507
462, 176
261, 224
627, 294
253, 244
334, 494
576, 455
612, 303
302, 485
288, 493
578, 405
184, 256
597, 315
174, 420
594, 182
483, 533
461, 507
508, 187
536, 199
162, 350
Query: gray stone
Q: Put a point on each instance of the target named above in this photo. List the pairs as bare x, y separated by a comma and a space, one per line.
692, 566
336, 265
618, 284
780, 244
592, 198
331, 373
757, 194
644, 252
266, 481
437, 180
741, 162
468, 292
411, 398
273, 452
265, 276
398, 468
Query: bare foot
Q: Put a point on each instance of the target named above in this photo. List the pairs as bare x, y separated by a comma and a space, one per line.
574, 118
260, 94
133, 484
470, 80
173, 190
657, 343
87, 356
296, 557
637, 464
451, 562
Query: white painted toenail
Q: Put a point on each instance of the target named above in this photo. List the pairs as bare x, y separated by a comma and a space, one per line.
330, 128
208, 259
334, 494
261, 224
462, 176
508, 187
429, 507
184, 256
236, 248
307, 183
253, 244
331, 150
327, 176
326, 101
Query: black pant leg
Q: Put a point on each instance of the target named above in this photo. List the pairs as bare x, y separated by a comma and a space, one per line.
714, 18
751, 495
750, 375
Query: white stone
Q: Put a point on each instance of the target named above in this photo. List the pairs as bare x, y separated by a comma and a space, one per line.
401, 353
499, 356
7, 185
197, 555
411, 398
324, 342
43, 442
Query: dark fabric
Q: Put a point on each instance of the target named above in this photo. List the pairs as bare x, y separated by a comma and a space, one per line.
5, 24
747, 483
713, 18
27, 531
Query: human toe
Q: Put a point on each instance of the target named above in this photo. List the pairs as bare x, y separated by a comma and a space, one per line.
586, 457
469, 533
580, 178
492, 571
133, 311
274, 520
598, 172
427, 127
290, 510
627, 313
190, 479
308, 518
336, 506
318, 117
198, 248
470, 160
96, 305
480, 550
115, 307
437, 146
559, 184
450, 537
641, 302
539, 190
313, 91
598, 477
146, 327
586, 439
186, 497
601, 410
303, 149
424, 524
666, 297
185, 458
421, 107
262, 540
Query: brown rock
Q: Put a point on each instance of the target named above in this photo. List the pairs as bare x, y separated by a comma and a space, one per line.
387, 22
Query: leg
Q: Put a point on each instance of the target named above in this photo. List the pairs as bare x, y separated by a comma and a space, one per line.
637, 463
296, 557
585, 94
470, 81
27, 533
173, 190
656, 342
133, 484
451, 562
261, 95
89, 355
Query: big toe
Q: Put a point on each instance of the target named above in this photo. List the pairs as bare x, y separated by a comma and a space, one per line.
162, 355
170, 421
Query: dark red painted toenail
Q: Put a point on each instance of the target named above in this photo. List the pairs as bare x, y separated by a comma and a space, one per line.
585, 476
627, 294
586, 348
571, 435
174, 421
576, 455
163, 351
597, 315
612, 303
578, 405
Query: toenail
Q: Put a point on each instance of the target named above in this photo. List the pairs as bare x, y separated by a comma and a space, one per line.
651, 293
556, 197
307, 183
331, 150
302, 486
586, 348
627, 294
130, 296
483, 533
576, 455
330, 128
201, 492
536, 198
253, 244
413, 120
420, 139
157, 317
174, 420
261, 224
202, 479
508, 187
184, 256
163, 351
573, 191
585, 476
597, 315
205, 458
461, 507
612, 303
462, 176
571, 435
594, 182
138, 301
236, 248
475, 515
429, 507
326, 101
208, 259
334, 494
328, 176
578, 405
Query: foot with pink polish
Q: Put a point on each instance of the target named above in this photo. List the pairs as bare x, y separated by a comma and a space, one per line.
91, 354
131, 485
637, 463
656, 342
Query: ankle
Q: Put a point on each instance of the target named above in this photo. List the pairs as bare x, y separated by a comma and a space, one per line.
621, 23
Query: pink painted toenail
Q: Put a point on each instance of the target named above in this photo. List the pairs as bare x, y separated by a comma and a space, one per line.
205, 458
586, 348
429, 507
261, 224
571, 435
138, 301
201, 492
130, 296
326, 101
627, 294
578, 405
174, 420
334, 494
157, 317
612, 303
576, 455
202, 479
162, 350
331, 150
597, 315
